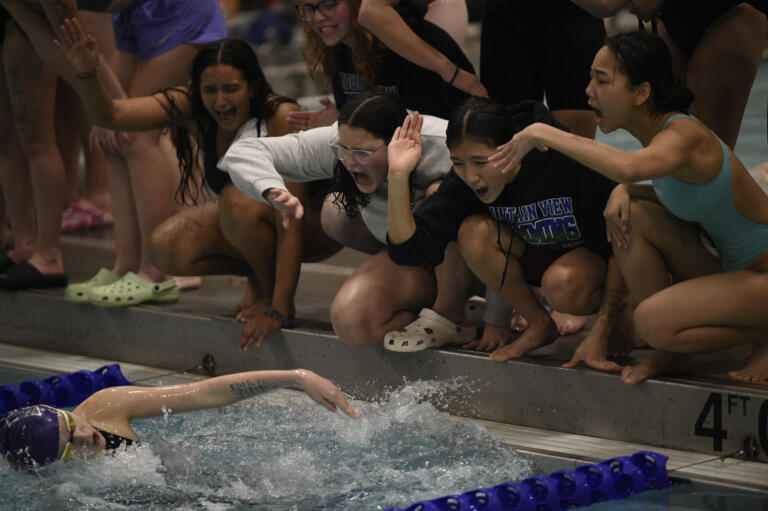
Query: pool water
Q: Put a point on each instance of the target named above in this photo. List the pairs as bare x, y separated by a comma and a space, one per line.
281, 455
690, 497
14, 375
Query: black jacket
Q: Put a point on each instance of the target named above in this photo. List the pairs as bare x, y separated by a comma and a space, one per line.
553, 203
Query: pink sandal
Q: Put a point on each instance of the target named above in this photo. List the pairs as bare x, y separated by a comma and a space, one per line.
81, 215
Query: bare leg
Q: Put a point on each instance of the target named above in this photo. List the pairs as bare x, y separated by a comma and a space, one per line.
151, 175
478, 245
350, 232
723, 67
451, 16
659, 244
32, 91
378, 297
16, 184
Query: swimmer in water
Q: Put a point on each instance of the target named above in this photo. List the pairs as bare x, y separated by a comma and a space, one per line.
35, 436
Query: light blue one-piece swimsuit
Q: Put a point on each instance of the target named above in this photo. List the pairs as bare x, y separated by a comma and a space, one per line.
738, 240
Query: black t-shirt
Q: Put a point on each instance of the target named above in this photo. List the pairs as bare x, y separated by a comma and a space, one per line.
554, 203
418, 88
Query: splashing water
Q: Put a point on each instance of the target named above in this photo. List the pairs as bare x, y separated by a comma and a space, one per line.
286, 454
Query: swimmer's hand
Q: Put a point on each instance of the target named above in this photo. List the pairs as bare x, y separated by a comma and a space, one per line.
616, 214
325, 392
509, 156
288, 204
300, 120
78, 47
108, 141
493, 337
404, 150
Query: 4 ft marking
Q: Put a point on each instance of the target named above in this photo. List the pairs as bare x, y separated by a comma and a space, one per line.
735, 404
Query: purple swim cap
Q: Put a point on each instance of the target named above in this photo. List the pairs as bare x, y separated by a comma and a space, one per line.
29, 436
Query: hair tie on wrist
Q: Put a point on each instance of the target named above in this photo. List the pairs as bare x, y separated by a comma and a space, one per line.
455, 74
88, 74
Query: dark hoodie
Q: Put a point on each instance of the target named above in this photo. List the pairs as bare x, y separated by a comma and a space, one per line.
554, 203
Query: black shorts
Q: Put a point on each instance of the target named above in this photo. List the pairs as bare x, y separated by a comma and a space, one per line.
530, 56
687, 20
536, 261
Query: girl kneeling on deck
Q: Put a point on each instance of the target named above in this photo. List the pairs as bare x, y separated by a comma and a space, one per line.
712, 302
34, 436
541, 224
379, 296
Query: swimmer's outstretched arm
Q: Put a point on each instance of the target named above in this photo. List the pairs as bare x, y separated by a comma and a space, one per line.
125, 114
137, 402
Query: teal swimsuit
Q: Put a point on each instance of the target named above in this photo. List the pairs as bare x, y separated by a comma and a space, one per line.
738, 240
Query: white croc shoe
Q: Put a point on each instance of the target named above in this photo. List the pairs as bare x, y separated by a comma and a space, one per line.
430, 330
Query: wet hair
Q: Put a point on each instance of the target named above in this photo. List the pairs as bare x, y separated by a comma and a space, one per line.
366, 50
233, 52
379, 114
644, 57
484, 120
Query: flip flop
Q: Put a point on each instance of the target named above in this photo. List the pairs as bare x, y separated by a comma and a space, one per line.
131, 289
80, 292
430, 330
23, 275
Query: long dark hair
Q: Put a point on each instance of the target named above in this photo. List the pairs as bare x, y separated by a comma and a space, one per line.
378, 113
484, 120
644, 57
233, 52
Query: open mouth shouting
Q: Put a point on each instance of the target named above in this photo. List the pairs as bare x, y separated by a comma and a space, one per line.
481, 192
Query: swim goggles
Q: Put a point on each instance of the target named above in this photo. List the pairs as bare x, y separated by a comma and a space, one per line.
69, 447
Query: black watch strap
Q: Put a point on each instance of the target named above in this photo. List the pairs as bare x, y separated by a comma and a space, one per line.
286, 321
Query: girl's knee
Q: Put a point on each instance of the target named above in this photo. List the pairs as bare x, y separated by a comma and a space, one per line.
164, 247
475, 234
563, 287
652, 326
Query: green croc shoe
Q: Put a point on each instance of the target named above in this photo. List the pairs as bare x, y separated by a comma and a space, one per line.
79, 292
133, 290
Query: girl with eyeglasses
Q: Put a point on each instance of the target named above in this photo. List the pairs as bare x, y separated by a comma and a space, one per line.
35, 436
379, 296
346, 57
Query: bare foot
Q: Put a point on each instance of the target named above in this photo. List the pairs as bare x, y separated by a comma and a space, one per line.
757, 366
189, 282
568, 324
659, 362
47, 265
534, 336
250, 296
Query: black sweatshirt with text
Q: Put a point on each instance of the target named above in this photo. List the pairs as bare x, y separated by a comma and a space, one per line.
554, 203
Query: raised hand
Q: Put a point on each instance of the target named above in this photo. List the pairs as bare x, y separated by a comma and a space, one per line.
404, 150
288, 204
78, 47
301, 120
